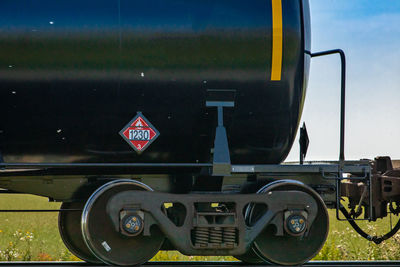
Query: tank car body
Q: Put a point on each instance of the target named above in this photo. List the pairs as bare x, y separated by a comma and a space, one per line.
73, 73
167, 122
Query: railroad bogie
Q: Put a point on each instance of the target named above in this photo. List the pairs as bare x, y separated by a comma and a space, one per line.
134, 223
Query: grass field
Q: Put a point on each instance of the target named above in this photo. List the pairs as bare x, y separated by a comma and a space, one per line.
34, 236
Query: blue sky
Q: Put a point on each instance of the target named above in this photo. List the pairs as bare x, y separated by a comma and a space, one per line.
369, 32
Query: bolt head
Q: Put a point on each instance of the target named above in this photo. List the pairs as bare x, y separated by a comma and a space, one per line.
132, 224
295, 225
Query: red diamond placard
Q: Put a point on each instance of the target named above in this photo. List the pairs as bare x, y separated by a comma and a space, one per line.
139, 133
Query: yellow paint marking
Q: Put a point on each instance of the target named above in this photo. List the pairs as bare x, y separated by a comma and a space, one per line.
277, 40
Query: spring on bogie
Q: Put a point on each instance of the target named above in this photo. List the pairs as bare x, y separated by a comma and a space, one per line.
201, 236
216, 235
230, 236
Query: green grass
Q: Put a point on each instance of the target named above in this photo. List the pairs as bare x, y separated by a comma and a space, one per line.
46, 242
34, 236
345, 244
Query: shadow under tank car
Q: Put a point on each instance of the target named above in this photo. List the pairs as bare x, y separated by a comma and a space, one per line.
164, 125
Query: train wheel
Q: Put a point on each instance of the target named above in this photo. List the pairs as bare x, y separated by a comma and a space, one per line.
69, 225
108, 245
250, 257
287, 249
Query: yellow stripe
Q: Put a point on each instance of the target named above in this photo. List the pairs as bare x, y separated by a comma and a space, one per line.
277, 40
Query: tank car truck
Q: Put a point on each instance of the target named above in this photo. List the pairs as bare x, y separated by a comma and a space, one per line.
163, 125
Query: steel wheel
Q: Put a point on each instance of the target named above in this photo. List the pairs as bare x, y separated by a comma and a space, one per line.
109, 246
291, 250
69, 226
250, 257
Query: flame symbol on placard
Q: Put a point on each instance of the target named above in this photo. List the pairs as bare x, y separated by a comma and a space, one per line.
139, 123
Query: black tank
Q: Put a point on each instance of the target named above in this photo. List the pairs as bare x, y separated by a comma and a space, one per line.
73, 73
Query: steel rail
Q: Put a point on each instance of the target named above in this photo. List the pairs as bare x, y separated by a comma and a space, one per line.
40, 210
216, 264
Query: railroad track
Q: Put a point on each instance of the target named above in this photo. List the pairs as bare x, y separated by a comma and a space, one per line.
213, 264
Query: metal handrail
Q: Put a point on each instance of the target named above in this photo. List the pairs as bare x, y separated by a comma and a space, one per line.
343, 94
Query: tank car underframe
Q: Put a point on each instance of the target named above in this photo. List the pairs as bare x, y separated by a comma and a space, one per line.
332, 180
67, 182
